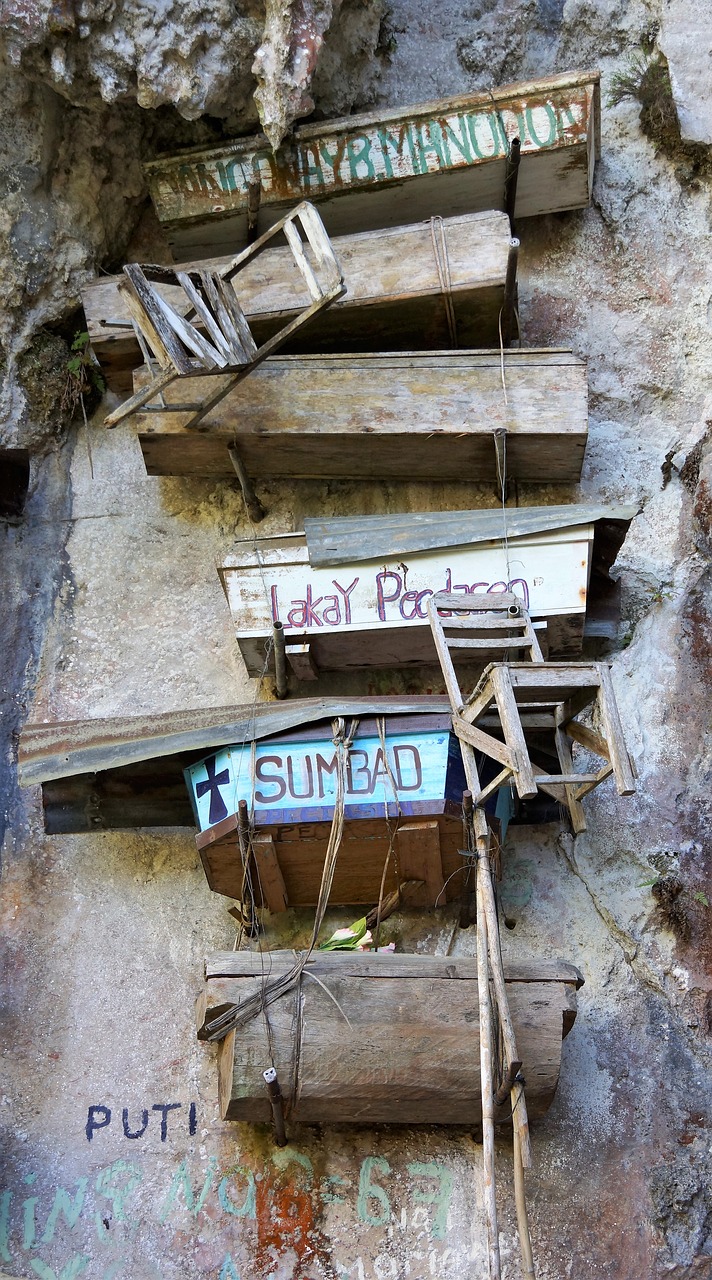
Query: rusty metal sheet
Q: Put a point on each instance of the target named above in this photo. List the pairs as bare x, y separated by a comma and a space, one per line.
346, 539
83, 746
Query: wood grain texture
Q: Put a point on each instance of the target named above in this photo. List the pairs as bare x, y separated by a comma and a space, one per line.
420, 415
411, 1054
381, 168
394, 297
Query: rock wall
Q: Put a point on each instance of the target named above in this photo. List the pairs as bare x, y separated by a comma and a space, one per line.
112, 605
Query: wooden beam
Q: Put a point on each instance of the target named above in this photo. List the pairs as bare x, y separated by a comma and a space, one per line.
418, 852
269, 876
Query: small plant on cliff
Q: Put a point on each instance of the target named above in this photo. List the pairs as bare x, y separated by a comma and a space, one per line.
646, 80
85, 385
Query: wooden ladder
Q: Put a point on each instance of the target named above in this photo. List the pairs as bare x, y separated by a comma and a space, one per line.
494, 613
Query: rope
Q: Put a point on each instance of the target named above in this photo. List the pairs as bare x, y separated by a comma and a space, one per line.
442, 262
238, 1015
381, 723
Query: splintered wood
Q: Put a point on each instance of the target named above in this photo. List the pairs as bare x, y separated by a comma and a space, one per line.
409, 1056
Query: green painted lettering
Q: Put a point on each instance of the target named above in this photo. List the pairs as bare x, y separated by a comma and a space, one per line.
282, 1156
362, 157
28, 1222
227, 1270
181, 1179
497, 143
334, 161
397, 145
117, 1182
430, 140
438, 1196
368, 1191
5, 1199
69, 1272
551, 117
311, 173
247, 1208
458, 140
329, 1197
70, 1209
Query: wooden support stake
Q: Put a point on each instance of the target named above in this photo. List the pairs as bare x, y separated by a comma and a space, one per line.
469, 881
274, 1093
507, 1084
525, 1244
254, 197
269, 873
510, 180
301, 660
509, 303
576, 811
280, 661
255, 510
419, 857
501, 684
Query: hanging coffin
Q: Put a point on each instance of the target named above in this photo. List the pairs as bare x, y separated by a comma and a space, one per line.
444, 157
427, 285
374, 612
411, 415
410, 1054
411, 792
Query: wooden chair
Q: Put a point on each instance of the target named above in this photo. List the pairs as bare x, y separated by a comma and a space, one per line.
513, 696
213, 336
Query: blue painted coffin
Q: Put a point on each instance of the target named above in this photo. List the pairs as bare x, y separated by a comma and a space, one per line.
292, 778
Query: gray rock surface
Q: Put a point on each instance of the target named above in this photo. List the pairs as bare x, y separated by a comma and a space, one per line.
112, 605
686, 40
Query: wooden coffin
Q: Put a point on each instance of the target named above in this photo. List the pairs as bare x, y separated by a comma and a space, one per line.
416, 416
411, 1052
373, 613
394, 299
445, 157
292, 797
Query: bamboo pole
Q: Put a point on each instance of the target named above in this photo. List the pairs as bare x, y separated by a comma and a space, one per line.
525, 1244
486, 1081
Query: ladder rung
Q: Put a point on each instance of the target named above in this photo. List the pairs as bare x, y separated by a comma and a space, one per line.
564, 779
495, 642
485, 622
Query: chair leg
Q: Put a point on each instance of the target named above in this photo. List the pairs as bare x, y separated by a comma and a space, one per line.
613, 733
513, 732
563, 751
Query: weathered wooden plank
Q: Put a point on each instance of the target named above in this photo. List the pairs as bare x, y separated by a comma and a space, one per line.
301, 849
394, 298
418, 854
269, 875
386, 599
236, 964
407, 1058
434, 158
359, 416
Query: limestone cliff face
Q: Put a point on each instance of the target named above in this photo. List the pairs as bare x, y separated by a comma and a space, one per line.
112, 605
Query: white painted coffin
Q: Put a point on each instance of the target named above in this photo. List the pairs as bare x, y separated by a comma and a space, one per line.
374, 613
